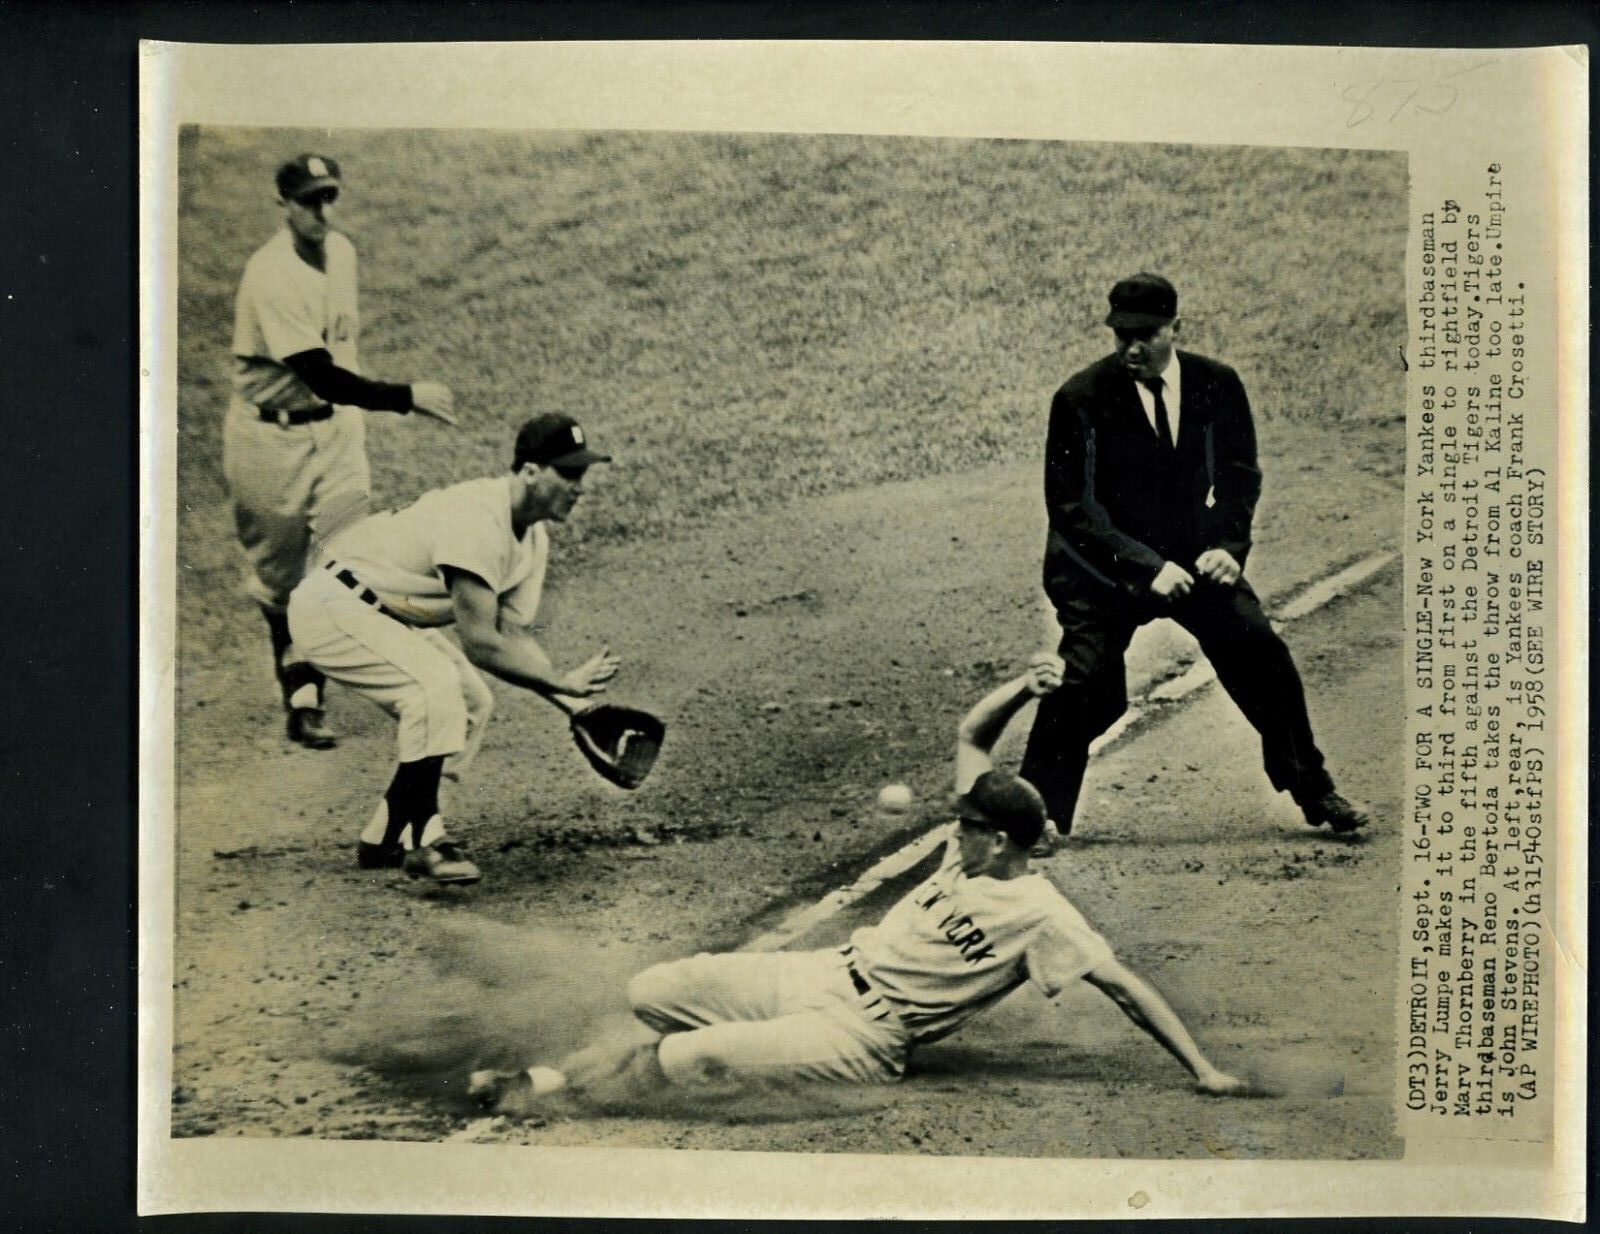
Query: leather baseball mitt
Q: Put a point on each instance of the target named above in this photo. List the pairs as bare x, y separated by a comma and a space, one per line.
620, 742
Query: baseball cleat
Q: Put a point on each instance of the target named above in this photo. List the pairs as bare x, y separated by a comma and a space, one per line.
307, 728
1341, 814
380, 856
497, 1091
1050, 839
443, 863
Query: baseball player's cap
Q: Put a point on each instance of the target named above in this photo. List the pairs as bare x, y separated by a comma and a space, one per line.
300, 176
1140, 301
1004, 802
554, 440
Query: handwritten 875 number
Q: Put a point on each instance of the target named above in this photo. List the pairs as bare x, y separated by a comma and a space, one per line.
1387, 97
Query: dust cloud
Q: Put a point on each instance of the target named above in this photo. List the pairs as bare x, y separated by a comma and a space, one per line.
487, 995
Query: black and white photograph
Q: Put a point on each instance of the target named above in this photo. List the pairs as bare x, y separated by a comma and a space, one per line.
850, 644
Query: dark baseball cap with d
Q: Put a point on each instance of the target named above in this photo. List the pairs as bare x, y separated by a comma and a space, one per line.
1140, 301
1004, 802
300, 176
554, 440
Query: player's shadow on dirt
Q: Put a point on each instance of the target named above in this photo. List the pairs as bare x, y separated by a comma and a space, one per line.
1035, 1062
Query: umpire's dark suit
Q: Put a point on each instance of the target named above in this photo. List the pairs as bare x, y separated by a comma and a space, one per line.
1121, 505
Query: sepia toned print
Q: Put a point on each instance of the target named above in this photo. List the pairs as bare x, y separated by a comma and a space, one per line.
819, 368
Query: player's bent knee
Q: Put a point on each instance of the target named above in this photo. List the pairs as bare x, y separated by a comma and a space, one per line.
692, 1059
446, 711
656, 997
650, 991
432, 722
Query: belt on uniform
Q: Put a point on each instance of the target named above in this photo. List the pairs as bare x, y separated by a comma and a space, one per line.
863, 986
363, 593
294, 419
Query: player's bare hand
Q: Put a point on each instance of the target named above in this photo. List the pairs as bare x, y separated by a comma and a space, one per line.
591, 676
1044, 673
1214, 1083
1172, 582
433, 398
1218, 565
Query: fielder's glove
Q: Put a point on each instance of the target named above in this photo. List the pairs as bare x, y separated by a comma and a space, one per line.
621, 743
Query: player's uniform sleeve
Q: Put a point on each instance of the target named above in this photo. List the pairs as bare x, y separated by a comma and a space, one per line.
520, 605
286, 320
1063, 950
467, 535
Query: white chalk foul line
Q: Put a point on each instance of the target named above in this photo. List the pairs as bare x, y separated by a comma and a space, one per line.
1195, 678
898, 862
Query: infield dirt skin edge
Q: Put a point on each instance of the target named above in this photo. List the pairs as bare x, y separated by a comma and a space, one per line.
812, 625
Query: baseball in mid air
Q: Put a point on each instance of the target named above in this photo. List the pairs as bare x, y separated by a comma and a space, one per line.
895, 798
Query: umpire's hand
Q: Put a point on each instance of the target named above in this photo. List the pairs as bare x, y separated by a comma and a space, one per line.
1218, 565
1172, 582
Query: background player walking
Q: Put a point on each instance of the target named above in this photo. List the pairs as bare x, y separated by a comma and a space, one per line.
294, 440
471, 555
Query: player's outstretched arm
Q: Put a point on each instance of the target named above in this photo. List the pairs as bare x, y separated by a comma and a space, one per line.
329, 381
981, 727
1142, 1004
516, 656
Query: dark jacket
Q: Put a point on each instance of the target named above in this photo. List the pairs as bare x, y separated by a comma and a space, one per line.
1119, 507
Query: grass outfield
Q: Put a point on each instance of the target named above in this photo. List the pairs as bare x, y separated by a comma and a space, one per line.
742, 319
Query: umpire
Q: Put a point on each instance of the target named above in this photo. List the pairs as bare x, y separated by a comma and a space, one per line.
1151, 483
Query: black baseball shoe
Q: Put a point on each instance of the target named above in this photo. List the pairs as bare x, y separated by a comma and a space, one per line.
306, 727
513, 1092
489, 1089
1341, 814
380, 856
1050, 839
443, 862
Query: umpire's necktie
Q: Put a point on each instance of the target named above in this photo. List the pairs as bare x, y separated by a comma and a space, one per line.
1163, 425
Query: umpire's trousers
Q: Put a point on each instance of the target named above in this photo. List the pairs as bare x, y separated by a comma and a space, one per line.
1250, 660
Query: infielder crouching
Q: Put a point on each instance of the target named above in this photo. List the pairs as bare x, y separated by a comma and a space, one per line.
976, 930
473, 555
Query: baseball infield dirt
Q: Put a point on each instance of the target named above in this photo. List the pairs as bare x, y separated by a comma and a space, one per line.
811, 627
792, 703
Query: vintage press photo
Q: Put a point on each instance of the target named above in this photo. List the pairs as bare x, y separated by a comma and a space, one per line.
807, 421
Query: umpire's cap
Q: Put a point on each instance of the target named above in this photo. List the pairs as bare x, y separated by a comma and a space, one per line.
1141, 301
1004, 802
301, 175
554, 440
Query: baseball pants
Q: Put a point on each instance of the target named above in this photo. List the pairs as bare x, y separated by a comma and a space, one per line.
1251, 661
768, 1016
420, 677
288, 484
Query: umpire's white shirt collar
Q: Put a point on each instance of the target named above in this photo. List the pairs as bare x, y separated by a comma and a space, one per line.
1171, 395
